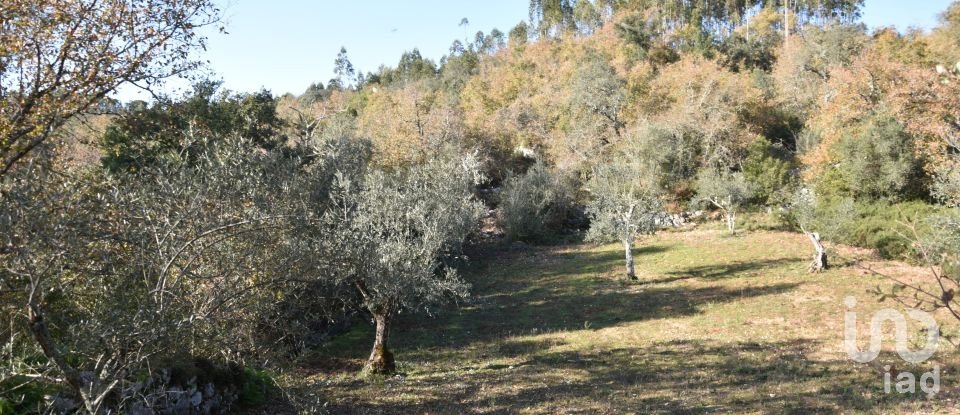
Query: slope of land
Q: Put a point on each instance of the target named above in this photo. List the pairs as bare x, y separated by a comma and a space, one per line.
716, 324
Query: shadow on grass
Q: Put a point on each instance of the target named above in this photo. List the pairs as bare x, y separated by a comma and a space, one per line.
467, 357
542, 292
688, 377
560, 291
720, 271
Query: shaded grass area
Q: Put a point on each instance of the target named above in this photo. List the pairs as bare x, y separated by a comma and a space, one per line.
716, 324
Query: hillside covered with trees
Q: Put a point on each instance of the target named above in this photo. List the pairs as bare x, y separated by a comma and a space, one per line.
220, 251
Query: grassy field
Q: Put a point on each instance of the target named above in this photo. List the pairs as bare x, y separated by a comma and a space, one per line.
716, 324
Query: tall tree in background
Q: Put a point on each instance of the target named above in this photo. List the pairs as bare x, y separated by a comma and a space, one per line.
59, 59
552, 17
587, 17
343, 69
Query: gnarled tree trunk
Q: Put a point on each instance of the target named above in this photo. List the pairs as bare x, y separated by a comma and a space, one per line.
381, 359
628, 250
820, 258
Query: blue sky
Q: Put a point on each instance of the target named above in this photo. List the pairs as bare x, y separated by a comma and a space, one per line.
284, 45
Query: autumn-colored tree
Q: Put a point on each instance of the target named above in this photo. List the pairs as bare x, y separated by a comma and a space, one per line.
59, 59
803, 69
919, 98
521, 100
407, 120
945, 38
700, 98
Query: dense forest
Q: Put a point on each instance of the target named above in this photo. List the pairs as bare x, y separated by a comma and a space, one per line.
199, 242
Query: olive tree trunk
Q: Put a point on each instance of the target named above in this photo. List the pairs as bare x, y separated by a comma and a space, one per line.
820, 257
628, 251
91, 393
381, 359
732, 221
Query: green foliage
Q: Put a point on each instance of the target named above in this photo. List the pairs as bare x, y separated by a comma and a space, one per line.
457, 70
252, 386
770, 219
178, 129
21, 395
725, 190
390, 229
672, 157
316, 92
553, 17
586, 16
343, 69
945, 186
878, 163
182, 227
535, 204
411, 68
258, 386
519, 35
642, 35
884, 227
769, 170
743, 54
940, 245
832, 184
831, 45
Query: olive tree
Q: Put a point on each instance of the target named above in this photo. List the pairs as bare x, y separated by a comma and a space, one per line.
625, 203
104, 276
725, 190
389, 232
61, 58
804, 210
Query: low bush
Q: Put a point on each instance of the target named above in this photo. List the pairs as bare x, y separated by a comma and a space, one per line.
535, 205
885, 227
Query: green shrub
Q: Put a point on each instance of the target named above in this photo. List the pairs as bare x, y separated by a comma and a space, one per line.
879, 162
831, 184
253, 386
885, 227
535, 205
258, 386
20, 395
768, 168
